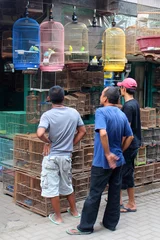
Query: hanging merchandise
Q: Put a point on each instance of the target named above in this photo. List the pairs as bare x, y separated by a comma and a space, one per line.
76, 44
95, 33
52, 45
113, 50
6, 44
26, 43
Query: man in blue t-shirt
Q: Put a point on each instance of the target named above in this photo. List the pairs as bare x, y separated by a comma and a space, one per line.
113, 134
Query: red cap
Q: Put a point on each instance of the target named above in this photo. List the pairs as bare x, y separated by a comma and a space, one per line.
128, 83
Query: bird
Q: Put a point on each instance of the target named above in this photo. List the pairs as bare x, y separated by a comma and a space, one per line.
82, 49
70, 48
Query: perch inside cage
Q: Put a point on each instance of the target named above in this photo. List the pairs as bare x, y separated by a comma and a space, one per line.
52, 45
26, 43
76, 44
113, 50
6, 44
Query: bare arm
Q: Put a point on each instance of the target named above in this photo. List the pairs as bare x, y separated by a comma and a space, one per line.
111, 158
42, 137
81, 131
126, 143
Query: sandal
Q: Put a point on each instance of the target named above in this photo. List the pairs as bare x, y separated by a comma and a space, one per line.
69, 211
52, 219
75, 231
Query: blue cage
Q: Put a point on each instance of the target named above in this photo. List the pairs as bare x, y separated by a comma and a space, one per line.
26, 44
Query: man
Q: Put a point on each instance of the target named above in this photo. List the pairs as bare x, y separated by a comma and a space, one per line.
132, 111
62, 123
111, 129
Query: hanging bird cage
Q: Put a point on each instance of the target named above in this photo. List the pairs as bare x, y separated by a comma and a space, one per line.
6, 44
26, 43
113, 50
95, 33
52, 45
76, 45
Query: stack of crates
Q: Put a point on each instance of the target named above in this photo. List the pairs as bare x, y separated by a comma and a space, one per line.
91, 79
28, 195
151, 153
148, 173
157, 172
88, 139
83, 103
70, 101
81, 184
139, 175
28, 153
148, 117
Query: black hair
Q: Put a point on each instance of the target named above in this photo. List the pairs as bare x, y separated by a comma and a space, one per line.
56, 94
130, 91
112, 94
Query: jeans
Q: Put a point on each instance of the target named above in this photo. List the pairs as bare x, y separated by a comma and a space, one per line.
99, 179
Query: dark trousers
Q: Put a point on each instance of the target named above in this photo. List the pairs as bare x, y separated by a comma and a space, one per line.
99, 179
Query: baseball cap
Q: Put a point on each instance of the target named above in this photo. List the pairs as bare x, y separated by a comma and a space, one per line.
128, 83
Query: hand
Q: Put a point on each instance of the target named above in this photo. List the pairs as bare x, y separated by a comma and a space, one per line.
46, 149
112, 158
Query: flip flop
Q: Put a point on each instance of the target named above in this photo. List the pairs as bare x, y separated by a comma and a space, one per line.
69, 211
127, 210
130, 210
52, 219
75, 231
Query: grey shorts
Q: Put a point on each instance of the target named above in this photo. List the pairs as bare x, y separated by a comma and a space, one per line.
56, 176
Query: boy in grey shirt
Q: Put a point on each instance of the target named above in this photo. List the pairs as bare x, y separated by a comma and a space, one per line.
62, 123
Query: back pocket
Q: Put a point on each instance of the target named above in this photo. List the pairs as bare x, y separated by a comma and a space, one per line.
51, 164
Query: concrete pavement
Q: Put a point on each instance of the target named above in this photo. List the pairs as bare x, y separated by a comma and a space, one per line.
17, 223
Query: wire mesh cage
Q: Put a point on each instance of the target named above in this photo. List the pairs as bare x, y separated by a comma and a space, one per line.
76, 44
26, 43
52, 45
13, 122
6, 151
6, 49
113, 50
28, 153
8, 178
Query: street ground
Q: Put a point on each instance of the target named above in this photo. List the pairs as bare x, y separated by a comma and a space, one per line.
18, 223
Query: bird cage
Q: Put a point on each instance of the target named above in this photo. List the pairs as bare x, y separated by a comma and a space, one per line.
113, 50
76, 44
6, 49
150, 42
36, 105
95, 33
32, 111
26, 43
52, 45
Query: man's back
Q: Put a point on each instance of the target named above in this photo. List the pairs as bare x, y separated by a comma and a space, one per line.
61, 124
116, 124
132, 111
